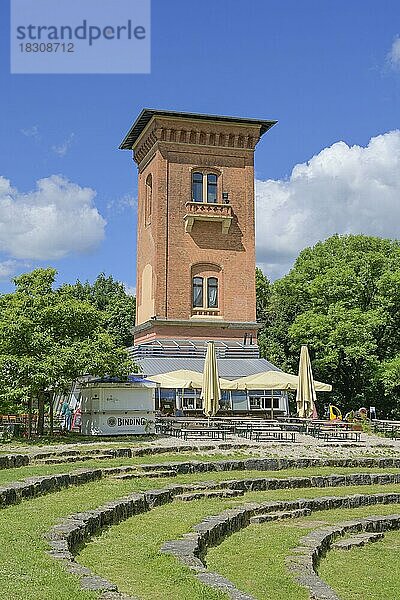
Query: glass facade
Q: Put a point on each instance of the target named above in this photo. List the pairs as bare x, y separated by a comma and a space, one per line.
169, 400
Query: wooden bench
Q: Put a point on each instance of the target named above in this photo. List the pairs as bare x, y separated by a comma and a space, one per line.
387, 429
7, 431
333, 433
210, 432
265, 433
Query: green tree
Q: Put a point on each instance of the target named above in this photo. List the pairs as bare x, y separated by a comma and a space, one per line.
110, 297
263, 299
341, 298
48, 338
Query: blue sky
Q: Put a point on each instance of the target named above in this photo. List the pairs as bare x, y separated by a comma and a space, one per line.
327, 71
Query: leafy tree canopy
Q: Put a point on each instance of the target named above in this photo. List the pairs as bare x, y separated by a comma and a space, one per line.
49, 337
109, 296
342, 298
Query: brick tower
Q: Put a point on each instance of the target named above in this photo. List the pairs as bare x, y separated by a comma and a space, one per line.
195, 243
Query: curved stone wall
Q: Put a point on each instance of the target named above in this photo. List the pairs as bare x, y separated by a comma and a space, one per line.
316, 544
192, 548
66, 537
15, 492
11, 461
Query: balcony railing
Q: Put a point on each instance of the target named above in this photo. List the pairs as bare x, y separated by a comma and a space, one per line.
205, 312
204, 211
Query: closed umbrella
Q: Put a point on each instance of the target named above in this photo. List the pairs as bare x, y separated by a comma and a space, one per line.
210, 392
306, 396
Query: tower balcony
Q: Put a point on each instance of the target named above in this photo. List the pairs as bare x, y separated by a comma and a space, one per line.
205, 211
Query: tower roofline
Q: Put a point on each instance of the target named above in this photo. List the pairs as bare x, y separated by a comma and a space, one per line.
148, 113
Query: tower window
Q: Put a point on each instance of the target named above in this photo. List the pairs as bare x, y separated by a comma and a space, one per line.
211, 187
199, 300
198, 292
212, 292
148, 200
197, 187
204, 187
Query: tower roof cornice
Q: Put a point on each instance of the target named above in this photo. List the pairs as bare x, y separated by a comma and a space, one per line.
148, 114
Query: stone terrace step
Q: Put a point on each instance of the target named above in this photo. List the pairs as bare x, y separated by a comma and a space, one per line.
210, 494
278, 516
123, 469
356, 541
142, 474
72, 458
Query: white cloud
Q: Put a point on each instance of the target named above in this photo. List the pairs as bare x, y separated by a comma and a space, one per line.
121, 204
7, 268
31, 132
341, 190
62, 149
130, 289
56, 219
393, 56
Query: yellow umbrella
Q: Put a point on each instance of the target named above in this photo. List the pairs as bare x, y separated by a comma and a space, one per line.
306, 396
210, 391
186, 379
182, 378
272, 380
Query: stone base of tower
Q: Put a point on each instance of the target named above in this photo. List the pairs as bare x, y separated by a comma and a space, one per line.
197, 329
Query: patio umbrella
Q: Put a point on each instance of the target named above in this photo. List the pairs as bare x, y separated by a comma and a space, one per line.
210, 391
306, 396
185, 379
272, 380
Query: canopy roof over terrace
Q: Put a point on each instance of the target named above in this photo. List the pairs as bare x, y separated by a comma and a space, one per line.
273, 380
184, 379
268, 380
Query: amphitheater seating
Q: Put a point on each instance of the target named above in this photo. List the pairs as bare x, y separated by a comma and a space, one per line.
227, 481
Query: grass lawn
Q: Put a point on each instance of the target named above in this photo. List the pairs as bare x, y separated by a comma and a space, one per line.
20, 473
137, 542
260, 550
64, 467
74, 439
128, 554
369, 572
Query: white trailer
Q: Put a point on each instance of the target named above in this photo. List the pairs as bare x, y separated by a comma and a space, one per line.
118, 408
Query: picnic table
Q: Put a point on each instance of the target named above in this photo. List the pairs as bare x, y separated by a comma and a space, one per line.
262, 434
214, 433
389, 429
330, 433
186, 428
8, 430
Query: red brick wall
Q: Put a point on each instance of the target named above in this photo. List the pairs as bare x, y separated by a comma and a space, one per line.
172, 252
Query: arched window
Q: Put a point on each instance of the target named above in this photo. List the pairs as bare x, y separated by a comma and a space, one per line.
197, 187
204, 187
212, 292
148, 200
198, 292
211, 187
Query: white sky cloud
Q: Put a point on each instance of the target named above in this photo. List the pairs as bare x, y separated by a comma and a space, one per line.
130, 289
7, 268
62, 149
341, 190
31, 132
119, 205
56, 219
393, 56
